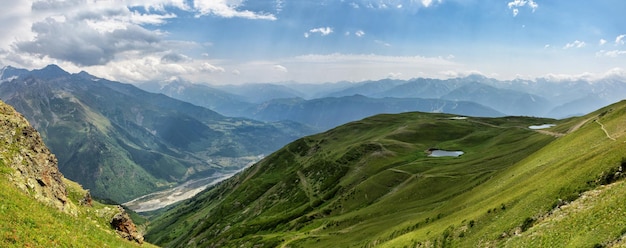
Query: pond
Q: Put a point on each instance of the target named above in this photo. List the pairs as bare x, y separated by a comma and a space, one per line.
543, 126
444, 153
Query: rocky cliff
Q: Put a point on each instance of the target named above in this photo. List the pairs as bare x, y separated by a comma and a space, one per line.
35, 169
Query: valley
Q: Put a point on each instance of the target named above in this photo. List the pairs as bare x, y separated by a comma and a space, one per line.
158, 200
122, 142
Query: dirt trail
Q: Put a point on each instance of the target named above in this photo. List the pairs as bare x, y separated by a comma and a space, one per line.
605, 132
571, 130
579, 125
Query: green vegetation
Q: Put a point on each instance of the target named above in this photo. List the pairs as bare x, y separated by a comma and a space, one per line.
370, 183
25, 222
121, 142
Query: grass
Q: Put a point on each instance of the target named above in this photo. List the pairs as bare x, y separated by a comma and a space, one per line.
369, 183
369, 176
25, 222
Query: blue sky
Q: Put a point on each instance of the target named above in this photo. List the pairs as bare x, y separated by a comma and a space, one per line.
238, 41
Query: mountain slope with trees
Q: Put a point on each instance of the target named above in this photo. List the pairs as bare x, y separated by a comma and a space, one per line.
122, 142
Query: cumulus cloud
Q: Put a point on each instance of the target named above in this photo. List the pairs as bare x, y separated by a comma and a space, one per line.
228, 9
323, 31
88, 33
91, 32
132, 67
602, 42
575, 44
174, 58
517, 4
359, 33
211, 68
619, 40
79, 43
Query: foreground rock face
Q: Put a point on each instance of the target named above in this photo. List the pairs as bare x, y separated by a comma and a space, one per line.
35, 168
124, 226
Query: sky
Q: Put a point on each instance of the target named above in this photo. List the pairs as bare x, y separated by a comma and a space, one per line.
316, 41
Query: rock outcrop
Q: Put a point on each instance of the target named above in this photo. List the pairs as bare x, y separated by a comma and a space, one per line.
125, 227
33, 168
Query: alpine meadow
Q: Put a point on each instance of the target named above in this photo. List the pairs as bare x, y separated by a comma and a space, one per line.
305, 124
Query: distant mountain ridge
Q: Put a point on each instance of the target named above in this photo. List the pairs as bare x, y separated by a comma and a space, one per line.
329, 112
540, 97
122, 142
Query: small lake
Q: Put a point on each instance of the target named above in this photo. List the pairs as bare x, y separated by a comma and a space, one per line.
443, 153
543, 126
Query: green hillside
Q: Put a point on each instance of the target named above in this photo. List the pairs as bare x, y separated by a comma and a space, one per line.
370, 183
25, 222
39, 207
121, 142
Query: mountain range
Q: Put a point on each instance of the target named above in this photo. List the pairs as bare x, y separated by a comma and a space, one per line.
373, 183
377, 182
122, 142
540, 97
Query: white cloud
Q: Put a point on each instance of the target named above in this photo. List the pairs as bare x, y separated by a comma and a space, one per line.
280, 68
611, 54
227, 9
619, 40
359, 33
427, 3
546, 46
84, 32
280, 4
517, 4
575, 44
602, 42
394, 75
612, 73
322, 31
211, 68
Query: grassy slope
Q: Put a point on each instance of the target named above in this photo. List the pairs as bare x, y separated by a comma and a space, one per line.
25, 222
359, 184
530, 189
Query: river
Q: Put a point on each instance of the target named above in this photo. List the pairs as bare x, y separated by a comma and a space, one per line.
164, 198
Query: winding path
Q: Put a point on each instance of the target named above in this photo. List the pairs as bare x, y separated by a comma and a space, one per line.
605, 132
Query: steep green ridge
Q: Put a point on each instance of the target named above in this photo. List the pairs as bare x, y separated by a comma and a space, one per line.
25, 222
370, 183
121, 142
38, 207
353, 184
